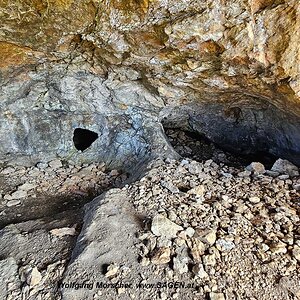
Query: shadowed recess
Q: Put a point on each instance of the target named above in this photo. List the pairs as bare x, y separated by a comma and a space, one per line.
84, 138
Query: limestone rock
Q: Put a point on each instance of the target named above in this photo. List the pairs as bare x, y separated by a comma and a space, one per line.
33, 277
63, 231
278, 247
209, 260
296, 252
224, 245
254, 199
55, 164
27, 186
283, 166
161, 256
9, 276
256, 167
180, 264
216, 296
112, 270
162, 226
197, 249
18, 195
199, 271
13, 203
198, 190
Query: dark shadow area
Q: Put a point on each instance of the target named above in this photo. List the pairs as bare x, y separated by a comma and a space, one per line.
84, 138
252, 129
48, 206
198, 147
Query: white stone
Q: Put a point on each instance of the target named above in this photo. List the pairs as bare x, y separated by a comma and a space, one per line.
254, 199
27, 186
63, 231
216, 296
256, 167
224, 245
296, 252
8, 170
18, 195
180, 264
190, 231
13, 203
112, 270
210, 237
55, 164
199, 271
33, 277
161, 226
198, 190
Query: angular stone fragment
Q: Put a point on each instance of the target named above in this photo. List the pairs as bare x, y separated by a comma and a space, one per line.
210, 237
198, 190
199, 271
283, 166
27, 186
63, 231
55, 164
256, 167
180, 264
161, 256
209, 260
254, 199
170, 186
278, 248
296, 252
216, 296
18, 195
13, 203
162, 226
33, 277
197, 249
224, 245
112, 270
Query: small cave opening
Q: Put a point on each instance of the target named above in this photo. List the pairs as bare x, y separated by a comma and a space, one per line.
84, 138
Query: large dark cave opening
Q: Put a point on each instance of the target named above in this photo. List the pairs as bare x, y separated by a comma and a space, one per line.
207, 131
84, 138
198, 147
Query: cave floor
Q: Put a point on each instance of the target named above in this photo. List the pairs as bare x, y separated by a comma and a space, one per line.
202, 227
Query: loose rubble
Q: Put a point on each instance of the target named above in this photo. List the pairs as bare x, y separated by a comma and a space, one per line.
224, 231
27, 192
45, 202
227, 230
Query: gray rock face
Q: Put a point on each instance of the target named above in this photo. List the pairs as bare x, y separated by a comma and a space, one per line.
38, 118
283, 166
9, 277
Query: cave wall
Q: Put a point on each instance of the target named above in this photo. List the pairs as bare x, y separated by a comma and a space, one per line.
103, 65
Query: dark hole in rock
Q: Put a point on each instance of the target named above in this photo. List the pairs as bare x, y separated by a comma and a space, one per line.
84, 138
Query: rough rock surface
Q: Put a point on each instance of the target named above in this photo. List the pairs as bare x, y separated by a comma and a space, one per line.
120, 67
107, 238
87, 86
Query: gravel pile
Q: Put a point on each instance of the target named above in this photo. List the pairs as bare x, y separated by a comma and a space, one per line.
233, 231
223, 230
